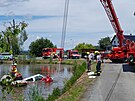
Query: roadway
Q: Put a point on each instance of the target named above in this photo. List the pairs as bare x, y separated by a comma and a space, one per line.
116, 83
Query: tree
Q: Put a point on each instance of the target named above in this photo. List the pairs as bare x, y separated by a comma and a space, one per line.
36, 47
13, 37
104, 42
81, 46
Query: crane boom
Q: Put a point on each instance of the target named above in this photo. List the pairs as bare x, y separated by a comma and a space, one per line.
107, 4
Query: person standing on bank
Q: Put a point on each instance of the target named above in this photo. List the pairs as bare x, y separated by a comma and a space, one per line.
98, 66
89, 62
88, 65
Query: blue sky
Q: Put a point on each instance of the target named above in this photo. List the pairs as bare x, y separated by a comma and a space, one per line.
87, 20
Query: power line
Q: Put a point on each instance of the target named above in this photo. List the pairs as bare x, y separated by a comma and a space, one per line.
64, 23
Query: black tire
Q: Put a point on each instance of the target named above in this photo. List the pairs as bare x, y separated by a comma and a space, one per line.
131, 59
114, 61
117, 60
125, 60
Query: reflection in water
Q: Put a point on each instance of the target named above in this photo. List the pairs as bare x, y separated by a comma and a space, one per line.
58, 72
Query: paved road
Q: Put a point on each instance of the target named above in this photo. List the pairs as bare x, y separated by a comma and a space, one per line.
116, 83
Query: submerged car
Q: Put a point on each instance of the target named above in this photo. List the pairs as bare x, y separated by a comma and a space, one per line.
34, 78
37, 77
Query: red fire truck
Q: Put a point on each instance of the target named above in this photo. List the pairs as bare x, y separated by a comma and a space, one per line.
54, 52
73, 54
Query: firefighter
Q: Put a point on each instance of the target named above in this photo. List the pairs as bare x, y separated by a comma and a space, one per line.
98, 66
13, 69
14, 72
89, 59
88, 65
18, 76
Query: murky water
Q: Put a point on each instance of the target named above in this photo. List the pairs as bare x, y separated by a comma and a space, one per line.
60, 73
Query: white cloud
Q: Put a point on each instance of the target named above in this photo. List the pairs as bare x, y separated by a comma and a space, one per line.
85, 16
6, 3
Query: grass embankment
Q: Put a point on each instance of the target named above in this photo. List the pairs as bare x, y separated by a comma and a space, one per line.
23, 60
80, 86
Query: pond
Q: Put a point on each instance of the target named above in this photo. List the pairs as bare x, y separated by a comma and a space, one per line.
59, 73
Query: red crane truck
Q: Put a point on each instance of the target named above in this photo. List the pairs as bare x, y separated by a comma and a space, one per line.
125, 52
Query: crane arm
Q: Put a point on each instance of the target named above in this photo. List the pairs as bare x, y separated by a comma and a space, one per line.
107, 4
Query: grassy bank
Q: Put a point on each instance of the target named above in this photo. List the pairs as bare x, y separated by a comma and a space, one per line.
78, 88
34, 60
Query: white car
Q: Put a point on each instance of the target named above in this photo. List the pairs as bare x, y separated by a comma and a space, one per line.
34, 78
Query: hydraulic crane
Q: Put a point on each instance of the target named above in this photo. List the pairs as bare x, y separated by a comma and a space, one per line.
107, 4
125, 52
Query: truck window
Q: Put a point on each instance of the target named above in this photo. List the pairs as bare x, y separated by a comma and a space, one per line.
46, 50
74, 52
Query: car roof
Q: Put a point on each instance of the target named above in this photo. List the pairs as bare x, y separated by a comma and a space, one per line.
33, 76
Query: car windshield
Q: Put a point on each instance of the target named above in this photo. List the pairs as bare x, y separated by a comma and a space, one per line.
38, 78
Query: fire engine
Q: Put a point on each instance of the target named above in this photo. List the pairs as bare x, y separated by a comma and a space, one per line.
125, 52
54, 52
73, 54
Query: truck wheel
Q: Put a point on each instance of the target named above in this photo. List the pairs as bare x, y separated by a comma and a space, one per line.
125, 60
131, 59
114, 61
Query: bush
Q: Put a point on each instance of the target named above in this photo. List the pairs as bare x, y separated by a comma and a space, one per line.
34, 94
56, 93
77, 72
33, 59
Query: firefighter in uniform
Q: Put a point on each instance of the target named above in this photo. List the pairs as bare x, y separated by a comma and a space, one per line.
98, 66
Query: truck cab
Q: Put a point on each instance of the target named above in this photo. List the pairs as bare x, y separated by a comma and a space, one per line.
46, 52
73, 54
54, 52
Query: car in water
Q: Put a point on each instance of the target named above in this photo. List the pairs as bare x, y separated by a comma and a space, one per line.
34, 78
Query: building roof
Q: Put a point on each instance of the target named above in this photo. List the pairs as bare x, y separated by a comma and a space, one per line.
131, 37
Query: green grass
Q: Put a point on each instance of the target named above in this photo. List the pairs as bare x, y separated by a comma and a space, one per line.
74, 93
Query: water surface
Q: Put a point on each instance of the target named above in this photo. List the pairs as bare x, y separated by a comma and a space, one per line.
60, 74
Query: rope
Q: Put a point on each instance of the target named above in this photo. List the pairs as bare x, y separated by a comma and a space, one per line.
64, 23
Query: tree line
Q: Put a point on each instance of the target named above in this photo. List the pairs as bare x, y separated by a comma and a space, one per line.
14, 36
36, 47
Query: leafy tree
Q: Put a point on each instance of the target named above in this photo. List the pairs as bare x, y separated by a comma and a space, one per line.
81, 46
104, 42
13, 37
36, 47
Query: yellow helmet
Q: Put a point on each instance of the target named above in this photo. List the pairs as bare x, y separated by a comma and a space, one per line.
14, 64
88, 52
96, 52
